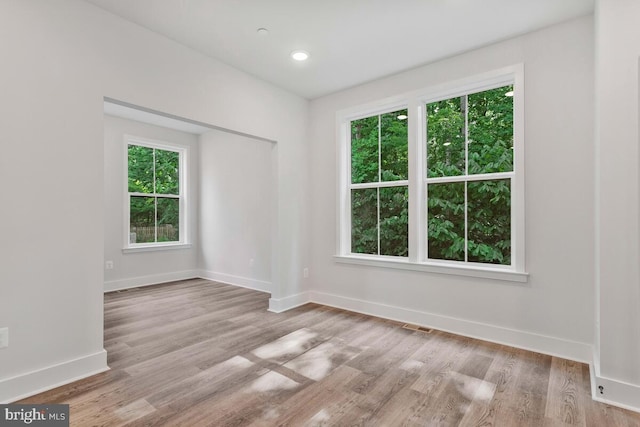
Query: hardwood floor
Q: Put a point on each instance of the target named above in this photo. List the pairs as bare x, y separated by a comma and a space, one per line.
200, 353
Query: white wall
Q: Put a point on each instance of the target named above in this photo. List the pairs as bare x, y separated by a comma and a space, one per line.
143, 268
59, 59
554, 311
236, 208
617, 201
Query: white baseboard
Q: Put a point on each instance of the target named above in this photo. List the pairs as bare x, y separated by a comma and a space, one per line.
614, 392
229, 279
31, 383
553, 346
136, 282
278, 305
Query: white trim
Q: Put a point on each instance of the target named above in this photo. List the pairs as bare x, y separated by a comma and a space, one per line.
418, 182
31, 383
518, 230
279, 305
470, 85
545, 344
183, 160
150, 247
484, 271
471, 178
380, 184
230, 279
155, 279
414, 157
616, 393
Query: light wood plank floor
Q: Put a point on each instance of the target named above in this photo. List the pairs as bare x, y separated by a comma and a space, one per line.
200, 353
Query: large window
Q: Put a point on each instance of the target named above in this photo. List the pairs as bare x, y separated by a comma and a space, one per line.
436, 179
155, 194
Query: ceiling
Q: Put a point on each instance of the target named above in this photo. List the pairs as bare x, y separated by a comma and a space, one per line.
350, 41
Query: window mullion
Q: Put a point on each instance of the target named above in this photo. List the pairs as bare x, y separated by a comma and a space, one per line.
378, 192
155, 200
466, 183
466, 223
415, 138
379, 173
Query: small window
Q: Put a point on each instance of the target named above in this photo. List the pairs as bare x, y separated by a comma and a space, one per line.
155, 194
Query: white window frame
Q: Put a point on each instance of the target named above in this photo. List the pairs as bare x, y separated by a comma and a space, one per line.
376, 184
182, 151
416, 102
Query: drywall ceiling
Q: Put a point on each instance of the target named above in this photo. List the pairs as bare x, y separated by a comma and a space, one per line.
350, 41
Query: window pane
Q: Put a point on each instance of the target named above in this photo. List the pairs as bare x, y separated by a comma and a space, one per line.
364, 150
489, 221
446, 221
142, 220
491, 131
394, 146
167, 172
445, 137
140, 160
364, 221
394, 221
168, 219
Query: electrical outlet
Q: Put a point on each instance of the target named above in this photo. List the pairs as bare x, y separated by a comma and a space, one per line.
251, 262
305, 272
4, 337
108, 265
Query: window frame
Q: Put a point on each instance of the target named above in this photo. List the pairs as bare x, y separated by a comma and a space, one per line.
183, 231
375, 184
415, 102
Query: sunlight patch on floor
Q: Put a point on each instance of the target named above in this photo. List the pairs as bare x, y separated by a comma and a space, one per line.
313, 364
411, 365
472, 388
134, 410
294, 343
237, 362
320, 361
321, 417
272, 381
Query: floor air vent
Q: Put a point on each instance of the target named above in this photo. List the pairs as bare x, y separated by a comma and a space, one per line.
417, 328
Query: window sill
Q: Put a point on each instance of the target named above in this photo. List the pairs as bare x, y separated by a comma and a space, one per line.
403, 264
151, 248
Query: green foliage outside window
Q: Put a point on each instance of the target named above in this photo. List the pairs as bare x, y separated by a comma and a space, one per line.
379, 153
154, 172
467, 135
488, 127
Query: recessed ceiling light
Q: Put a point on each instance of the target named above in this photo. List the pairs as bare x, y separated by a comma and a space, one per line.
402, 117
300, 55
510, 93
262, 32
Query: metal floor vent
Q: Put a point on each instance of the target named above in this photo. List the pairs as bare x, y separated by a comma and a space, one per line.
417, 328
